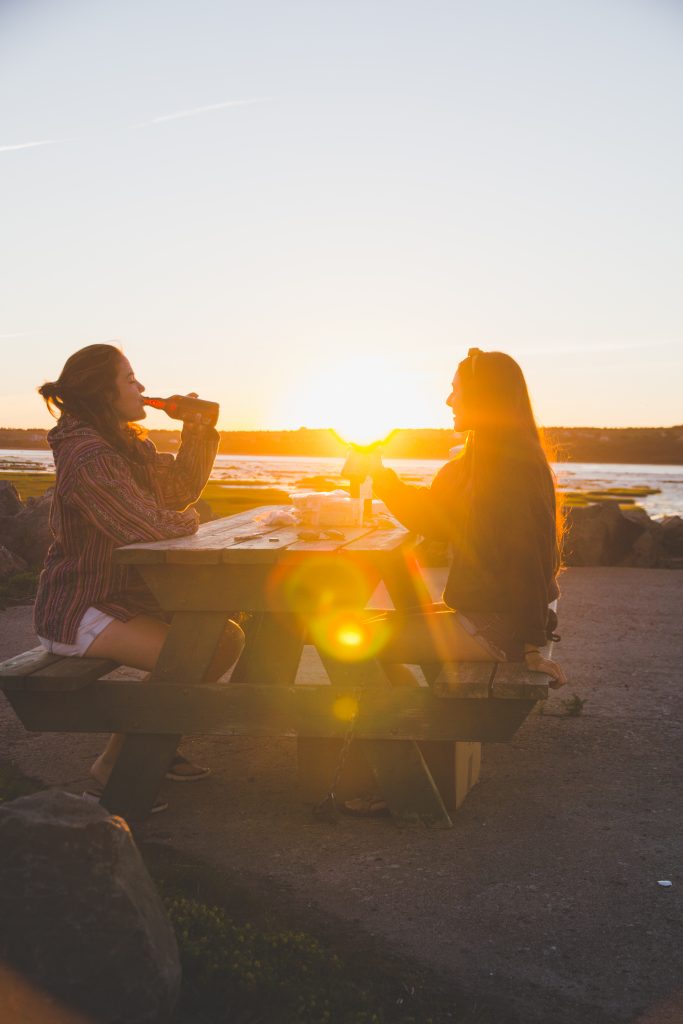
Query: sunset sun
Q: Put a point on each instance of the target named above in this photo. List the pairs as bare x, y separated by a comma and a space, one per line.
357, 400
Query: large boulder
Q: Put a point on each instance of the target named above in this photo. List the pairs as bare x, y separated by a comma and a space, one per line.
672, 534
27, 533
646, 550
10, 502
599, 534
79, 915
10, 563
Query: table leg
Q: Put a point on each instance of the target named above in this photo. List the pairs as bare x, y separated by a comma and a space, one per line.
400, 769
144, 759
272, 651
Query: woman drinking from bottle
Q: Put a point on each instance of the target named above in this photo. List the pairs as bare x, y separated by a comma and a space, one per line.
113, 488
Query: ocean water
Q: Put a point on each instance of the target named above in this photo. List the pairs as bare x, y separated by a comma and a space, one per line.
290, 472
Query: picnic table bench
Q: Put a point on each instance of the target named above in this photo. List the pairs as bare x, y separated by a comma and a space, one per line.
419, 746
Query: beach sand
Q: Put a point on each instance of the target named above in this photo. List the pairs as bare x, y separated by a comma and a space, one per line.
543, 899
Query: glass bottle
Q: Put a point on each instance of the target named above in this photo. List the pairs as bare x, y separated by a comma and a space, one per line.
180, 407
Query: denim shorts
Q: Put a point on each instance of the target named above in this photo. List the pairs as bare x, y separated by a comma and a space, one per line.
89, 628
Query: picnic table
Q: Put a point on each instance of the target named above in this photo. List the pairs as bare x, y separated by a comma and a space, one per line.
419, 746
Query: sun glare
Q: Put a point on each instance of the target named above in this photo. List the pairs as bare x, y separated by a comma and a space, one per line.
350, 635
355, 398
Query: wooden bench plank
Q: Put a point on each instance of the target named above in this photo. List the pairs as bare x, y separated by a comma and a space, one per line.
470, 680
25, 664
37, 671
482, 680
392, 714
514, 681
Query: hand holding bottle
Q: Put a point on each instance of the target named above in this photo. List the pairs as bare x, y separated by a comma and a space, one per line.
361, 462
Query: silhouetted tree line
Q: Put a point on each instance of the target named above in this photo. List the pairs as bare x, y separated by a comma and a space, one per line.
654, 445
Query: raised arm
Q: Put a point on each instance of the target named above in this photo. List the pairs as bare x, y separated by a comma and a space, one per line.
179, 480
429, 511
107, 495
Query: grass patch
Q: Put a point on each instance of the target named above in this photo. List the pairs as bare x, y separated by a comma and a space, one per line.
29, 485
574, 705
628, 496
249, 956
228, 499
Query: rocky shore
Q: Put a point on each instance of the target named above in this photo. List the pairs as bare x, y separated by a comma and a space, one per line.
600, 533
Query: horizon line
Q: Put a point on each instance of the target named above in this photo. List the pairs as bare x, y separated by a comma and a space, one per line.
331, 430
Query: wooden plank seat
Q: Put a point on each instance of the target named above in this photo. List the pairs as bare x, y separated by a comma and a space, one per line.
36, 671
468, 703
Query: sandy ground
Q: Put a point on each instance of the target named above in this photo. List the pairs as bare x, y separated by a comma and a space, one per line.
543, 899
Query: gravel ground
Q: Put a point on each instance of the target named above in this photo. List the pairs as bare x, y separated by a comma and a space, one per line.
543, 900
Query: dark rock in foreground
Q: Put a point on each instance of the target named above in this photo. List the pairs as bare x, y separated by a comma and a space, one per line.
10, 563
10, 502
26, 532
79, 915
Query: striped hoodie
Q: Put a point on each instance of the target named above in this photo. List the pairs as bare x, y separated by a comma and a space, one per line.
98, 505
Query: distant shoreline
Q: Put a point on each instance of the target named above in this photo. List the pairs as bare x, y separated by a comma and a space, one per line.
657, 446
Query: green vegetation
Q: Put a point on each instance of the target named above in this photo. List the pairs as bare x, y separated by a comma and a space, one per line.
238, 972
29, 485
249, 955
627, 496
228, 499
574, 705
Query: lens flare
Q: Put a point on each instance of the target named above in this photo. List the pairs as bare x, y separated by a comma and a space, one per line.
349, 635
320, 586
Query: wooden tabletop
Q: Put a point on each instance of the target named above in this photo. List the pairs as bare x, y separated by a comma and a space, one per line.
245, 538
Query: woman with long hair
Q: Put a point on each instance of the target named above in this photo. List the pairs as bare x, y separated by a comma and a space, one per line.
113, 488
495, 503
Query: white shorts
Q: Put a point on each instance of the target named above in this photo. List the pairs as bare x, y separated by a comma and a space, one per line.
90, 627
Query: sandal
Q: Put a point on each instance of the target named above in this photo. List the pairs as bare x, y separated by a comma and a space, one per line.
182, 770
95, 796
366, 807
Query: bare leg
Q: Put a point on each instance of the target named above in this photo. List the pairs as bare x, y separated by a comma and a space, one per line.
138, 643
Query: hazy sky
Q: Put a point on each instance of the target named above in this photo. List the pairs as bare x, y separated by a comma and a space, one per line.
309, 210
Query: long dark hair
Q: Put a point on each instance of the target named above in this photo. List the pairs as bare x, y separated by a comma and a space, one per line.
86, 390
505, 461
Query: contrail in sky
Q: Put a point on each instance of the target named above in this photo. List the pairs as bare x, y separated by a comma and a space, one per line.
28, 145
155, 120
202, 110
